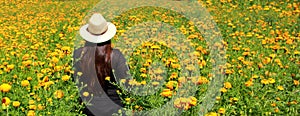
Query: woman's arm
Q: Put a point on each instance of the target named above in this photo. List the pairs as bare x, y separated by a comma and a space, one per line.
119, 66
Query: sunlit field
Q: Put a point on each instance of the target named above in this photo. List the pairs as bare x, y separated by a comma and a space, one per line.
262, 58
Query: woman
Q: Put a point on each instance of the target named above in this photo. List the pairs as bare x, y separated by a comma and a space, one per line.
97, 62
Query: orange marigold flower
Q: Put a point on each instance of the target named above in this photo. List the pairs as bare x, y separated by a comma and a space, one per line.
249, 83
223, 90
58, 94
221, 111
5, 101
5, 87
264, 81
271, 80
31, 113
65, 77
166, 93
16, 103
296, 82
25, 83
280, 87
227, 85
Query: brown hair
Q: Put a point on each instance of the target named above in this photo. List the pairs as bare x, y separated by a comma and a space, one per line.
103, 62
95, 61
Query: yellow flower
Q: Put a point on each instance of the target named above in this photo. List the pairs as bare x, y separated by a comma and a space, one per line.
5, 87
271, 80
29, 78
127, 99
227, 71
264, 81
143, 70
79, 73
143, 75
193, 101
40, 107
211, 114
16, 103
107, 78
296, 52
25, 83
58, 94
85, 94
31, 102
221, 111
280, 88
266, 60
143, 82
32, 107
223, 90
58, 68
155, 47
9, 67
227, 85
5, 101
65, 77
155, 83
296, 82
181, 80
170, 84
166, 93
202, 80
30, 113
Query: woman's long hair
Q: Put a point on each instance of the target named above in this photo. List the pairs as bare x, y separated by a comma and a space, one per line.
103, 62
95, 65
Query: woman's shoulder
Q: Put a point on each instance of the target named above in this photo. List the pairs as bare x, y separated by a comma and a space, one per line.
77, 52
116, 53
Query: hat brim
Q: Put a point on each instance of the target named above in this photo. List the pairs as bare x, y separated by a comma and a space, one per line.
110, 33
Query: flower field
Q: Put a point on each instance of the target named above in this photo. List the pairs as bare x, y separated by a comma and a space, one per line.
261, 39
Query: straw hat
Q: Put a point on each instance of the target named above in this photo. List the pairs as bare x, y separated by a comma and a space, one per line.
97, 30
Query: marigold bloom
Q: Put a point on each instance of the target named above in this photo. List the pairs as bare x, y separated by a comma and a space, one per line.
211, 114
6, 101
221, 111
31, 102
143, 75
10, 67
202, 80
32, 107
30, 113
296, 82
170, 84
166, 93
280, 88
227, 85
16, 103
181, 80
79, 73
264, 81
271, 80
85, 94
223, 90
25, 83
65, 77
193, 101
107, 78
40, 107
143, 82
58, 94
155, 83
5, 87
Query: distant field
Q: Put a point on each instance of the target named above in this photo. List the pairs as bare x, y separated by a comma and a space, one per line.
262, 57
